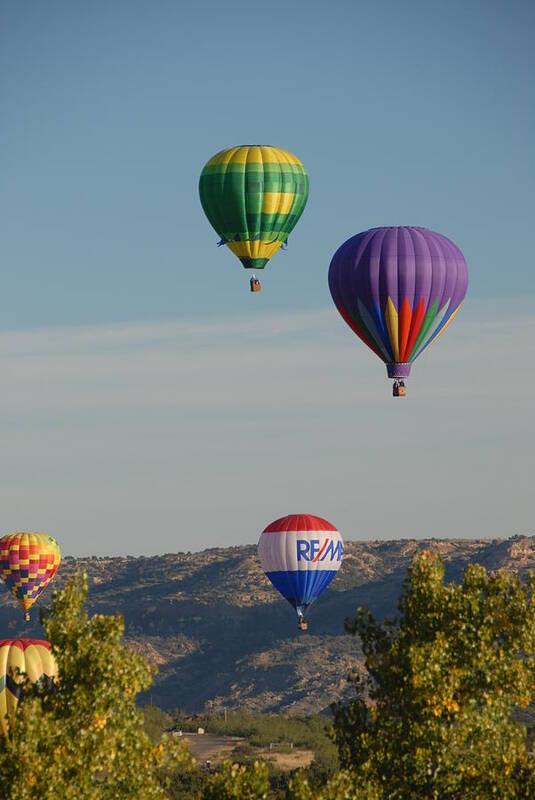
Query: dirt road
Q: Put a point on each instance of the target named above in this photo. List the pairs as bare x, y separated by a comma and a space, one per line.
207, 746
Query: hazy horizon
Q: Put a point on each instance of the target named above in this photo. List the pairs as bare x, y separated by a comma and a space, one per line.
349, 540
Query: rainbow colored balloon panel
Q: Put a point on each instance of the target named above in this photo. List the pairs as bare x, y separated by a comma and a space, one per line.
398, 288
28, 562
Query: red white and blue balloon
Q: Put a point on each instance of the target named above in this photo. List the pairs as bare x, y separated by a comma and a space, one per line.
300, 555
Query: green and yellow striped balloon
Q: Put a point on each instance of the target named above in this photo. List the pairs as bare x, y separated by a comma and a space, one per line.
253, 196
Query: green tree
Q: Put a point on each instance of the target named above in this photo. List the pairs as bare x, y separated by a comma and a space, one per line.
84, 739
235, 782
341, 786
156, 722
433, 718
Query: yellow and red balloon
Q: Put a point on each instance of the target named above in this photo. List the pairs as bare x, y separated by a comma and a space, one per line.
20, 657
28, 562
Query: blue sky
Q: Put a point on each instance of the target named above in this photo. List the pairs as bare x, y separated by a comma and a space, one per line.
416, 113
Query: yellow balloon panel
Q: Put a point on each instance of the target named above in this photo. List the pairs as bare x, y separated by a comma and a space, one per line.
20, 657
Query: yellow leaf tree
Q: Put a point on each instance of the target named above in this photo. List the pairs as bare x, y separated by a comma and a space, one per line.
433, 719
84, 737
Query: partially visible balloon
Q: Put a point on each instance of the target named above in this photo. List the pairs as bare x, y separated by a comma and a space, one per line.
398, 289
28, 562
253, 196
300, 555
17, 656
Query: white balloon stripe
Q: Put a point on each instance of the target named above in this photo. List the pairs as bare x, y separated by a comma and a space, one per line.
300, 550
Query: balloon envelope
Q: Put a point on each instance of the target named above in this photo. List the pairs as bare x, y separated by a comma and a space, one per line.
28, 562
253, 196
17, 656
398, 289
300, 555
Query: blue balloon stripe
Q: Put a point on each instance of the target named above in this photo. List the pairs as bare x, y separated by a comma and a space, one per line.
301, 587
438, 323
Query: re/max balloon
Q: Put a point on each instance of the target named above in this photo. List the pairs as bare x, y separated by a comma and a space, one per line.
28, 562
19, 657
398, 289
253, 196
300, 555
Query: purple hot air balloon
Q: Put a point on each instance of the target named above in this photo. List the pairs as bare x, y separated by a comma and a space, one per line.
398, 288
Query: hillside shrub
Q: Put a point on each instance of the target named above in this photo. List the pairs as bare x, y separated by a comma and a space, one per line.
155, 722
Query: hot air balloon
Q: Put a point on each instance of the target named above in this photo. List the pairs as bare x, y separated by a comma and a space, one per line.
253, 196
29, 656
300, 555
398, 289
28, 562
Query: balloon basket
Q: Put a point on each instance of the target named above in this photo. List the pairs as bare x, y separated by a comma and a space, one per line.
398, 389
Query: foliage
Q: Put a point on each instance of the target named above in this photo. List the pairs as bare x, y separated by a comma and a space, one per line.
239, 782
433, 719
155, 722
324, 766
235, 782
341, 786
84, 738
526, 717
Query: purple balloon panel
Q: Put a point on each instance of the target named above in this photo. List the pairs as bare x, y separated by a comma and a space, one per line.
398, 289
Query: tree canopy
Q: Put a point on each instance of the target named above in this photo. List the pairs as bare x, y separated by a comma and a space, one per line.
433, 718
84, 738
